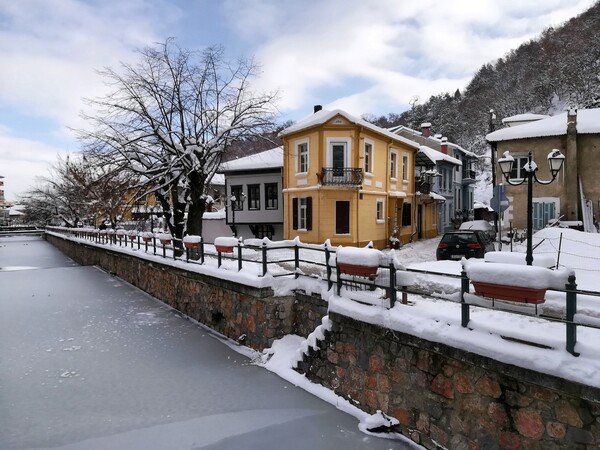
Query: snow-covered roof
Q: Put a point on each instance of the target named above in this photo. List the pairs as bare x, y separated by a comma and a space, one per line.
437, 156
323, 116
588, 122
438, 140
218, 179
527, 117
269, 159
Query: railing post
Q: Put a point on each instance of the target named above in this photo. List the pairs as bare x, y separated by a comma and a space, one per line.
154, 243
328, 267
296, 260
187, 254
339, 279
218, 258
571, 289
201, 250
239, 256
464, 306
393, 293
264, 258
138, 241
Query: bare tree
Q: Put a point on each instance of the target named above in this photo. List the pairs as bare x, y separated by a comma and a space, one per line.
170, 118
77, 189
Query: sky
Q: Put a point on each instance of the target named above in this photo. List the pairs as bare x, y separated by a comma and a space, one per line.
362, 56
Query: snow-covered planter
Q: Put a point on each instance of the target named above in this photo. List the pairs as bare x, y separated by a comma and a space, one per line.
225, 244
146, 236
132, 234
360, 262
526, 284
191, 241
164, 238
120, 232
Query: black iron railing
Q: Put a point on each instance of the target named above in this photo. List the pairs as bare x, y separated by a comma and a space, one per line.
346, 176
468, 174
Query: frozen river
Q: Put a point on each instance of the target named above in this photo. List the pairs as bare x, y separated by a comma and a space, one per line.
87, 361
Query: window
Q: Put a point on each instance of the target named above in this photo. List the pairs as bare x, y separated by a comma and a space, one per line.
406, 214
237, 204
379, 211
543, 213
518, 168
393, 165
271, 196
338, 155
404, 167
302, 157
342, 217
368, 157
254, 196
302, 213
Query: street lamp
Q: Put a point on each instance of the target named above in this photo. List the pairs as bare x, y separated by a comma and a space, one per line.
555, 161
235, 204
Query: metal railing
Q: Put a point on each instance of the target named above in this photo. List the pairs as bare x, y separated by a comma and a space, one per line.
346, 176
263, 256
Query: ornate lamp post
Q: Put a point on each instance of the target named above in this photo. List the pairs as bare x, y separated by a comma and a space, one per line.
235, 204
555, 161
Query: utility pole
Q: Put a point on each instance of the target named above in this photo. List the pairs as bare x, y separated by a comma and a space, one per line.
492, 128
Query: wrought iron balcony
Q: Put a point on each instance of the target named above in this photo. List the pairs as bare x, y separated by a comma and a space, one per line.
346, 176
422, 185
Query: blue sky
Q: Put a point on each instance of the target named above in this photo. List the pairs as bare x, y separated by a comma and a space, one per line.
363, 56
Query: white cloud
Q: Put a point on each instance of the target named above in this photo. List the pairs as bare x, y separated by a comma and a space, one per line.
21, 161
426, 45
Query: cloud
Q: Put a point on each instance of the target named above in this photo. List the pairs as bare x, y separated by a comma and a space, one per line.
22, 161
393, 50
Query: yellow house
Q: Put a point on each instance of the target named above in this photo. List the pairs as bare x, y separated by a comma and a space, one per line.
349, 181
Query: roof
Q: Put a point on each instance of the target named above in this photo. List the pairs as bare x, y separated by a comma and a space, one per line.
399, 128
323, 116
528, 117
437, 156
588, 122
269, 159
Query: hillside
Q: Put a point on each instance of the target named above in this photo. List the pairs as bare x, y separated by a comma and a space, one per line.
558, 69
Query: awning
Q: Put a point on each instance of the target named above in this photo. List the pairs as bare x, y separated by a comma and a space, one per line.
435, 196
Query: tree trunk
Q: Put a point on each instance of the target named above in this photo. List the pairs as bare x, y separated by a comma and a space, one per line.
197, 204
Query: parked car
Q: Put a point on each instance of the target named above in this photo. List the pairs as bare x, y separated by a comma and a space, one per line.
482, 225
464, 243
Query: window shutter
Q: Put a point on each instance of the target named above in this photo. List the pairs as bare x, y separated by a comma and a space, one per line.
309, 213
295, 213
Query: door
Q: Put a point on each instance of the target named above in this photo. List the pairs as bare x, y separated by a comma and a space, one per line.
338, 159
342, 217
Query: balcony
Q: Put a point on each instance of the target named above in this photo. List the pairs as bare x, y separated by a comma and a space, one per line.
345, 177
468, 176
423, 186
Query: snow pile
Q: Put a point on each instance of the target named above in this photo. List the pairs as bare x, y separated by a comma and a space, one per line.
164, 237
312, 341
226, 241
516, 275
192, 239
519, 258
369, 257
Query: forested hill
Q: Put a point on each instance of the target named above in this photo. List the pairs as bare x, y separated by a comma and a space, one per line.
560, 68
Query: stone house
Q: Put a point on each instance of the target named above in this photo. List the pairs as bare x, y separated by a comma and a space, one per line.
574, 197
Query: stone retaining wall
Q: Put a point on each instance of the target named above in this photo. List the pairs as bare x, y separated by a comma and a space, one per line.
233, 309
449, 398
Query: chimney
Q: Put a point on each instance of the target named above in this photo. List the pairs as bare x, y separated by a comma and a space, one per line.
444, 146
426, 129
317, 108
572, 116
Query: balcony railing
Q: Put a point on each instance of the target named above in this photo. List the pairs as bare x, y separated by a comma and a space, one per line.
350, 177
468, 175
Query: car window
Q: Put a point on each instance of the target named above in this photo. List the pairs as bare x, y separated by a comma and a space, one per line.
459, 238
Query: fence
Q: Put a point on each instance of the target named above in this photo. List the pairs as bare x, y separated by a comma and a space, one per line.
266, 255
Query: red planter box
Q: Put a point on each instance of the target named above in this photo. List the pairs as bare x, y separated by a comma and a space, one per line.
224, 248
165, 241
146, 239
191, 245
358, 271
511, 293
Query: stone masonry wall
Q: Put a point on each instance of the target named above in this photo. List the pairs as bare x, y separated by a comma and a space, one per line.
232, 309
448, 398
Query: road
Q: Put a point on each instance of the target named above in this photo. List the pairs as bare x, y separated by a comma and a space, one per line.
88, 361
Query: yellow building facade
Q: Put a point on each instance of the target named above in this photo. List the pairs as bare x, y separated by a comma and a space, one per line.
349, 181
